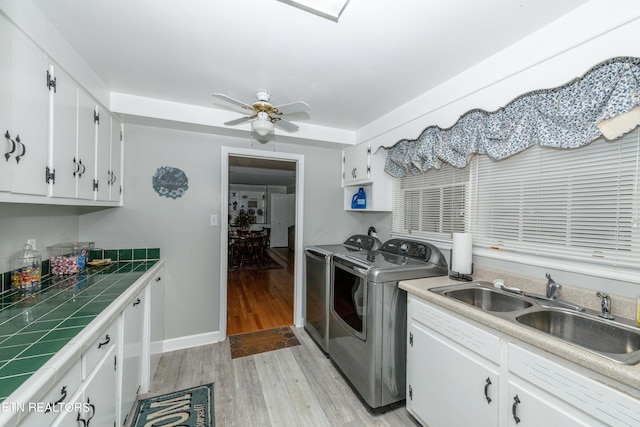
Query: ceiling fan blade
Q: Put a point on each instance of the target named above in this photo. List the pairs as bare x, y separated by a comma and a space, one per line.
240, 120
233, 101
294, 107
288, 126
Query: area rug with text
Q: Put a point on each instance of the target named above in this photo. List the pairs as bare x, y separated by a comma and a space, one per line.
192, 407
262, 341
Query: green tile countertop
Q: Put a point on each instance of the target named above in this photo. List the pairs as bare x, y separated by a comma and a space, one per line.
35, 326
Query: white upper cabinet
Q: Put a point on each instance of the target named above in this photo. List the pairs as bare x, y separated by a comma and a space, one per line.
103, 160
63, 170
362, 168
356, 164
53, 148
28, 133
86, 157
115, 182
5, 104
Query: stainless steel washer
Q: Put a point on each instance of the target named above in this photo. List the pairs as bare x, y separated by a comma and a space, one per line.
318, 279
368, 315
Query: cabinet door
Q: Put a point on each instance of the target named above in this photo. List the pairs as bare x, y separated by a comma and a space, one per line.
30, 109
529, 406
86, 145
132, 352
103, 155
100, 392
454, 388
356, 163
6, 49
156, 324
115, 183
64, 141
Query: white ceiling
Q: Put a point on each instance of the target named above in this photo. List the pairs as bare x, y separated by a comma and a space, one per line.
380, 55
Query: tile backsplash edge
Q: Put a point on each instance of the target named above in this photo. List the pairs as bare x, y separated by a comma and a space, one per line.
138, 254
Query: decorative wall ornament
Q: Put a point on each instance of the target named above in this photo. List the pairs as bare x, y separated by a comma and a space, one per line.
604, 101
170, 182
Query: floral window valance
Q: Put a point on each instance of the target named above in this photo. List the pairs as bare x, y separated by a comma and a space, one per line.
604, 101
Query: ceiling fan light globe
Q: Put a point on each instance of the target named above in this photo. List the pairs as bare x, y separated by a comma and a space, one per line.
262, 127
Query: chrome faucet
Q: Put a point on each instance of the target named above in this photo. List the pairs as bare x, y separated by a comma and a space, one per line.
606, 305
552, 288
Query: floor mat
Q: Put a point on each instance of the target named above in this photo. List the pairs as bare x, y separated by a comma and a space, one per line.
258, 342
266, 262
192, 407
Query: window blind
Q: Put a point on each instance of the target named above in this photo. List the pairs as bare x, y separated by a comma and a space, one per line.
576, 204
432, 205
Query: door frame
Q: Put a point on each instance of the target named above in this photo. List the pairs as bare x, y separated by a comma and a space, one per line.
224, 228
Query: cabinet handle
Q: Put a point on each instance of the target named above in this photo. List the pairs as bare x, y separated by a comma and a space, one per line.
81, 420
63, 396
7, 155
136, 302
93, 411
76, 167
107, 340
514, 408
486, 390
84, 168
158, 279
115, 178
24, 149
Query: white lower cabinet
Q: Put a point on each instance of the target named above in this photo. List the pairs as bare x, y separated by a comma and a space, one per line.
133, 350
533, 407
95, 403
453, 388
462, 373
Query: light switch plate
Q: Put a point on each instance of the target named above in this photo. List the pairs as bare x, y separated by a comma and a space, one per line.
213, 220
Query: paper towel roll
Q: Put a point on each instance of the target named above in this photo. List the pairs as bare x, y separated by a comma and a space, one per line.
461, 253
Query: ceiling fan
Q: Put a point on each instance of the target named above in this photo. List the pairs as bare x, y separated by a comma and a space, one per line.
263, 115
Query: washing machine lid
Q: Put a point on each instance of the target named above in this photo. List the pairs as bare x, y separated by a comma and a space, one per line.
355, 243
399, 259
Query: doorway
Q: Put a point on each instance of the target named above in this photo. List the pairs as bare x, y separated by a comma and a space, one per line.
261, 286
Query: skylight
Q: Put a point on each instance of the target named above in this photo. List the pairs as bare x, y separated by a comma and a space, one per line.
330, 9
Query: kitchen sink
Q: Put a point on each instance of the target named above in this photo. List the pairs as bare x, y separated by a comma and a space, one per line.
617, 340
609, 339
488, 299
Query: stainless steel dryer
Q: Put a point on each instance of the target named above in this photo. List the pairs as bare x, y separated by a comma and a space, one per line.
368, 315
318, 280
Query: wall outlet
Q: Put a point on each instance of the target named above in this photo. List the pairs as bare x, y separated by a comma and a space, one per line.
32, 242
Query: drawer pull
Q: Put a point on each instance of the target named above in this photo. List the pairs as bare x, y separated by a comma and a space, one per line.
106, 341
486, 390
63, 396
514, 408
136, 302
81, 420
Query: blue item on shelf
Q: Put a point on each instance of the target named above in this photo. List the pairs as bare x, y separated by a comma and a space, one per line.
359, 200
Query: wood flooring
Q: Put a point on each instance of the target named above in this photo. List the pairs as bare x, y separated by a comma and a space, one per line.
296, 386
261, 299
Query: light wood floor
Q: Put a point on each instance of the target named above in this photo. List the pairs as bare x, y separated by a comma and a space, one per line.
295, 386
261, 299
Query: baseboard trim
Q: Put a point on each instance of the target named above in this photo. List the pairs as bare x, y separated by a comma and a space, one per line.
190, 341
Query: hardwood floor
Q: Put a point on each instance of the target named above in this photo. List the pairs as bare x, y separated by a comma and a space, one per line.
295, 386
261, 299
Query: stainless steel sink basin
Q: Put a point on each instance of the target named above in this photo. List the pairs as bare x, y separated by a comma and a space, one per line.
609, 339
488, 299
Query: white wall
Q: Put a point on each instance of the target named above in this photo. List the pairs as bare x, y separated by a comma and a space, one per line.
180, 228
47, 224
